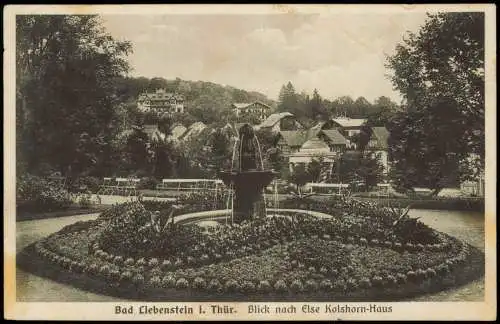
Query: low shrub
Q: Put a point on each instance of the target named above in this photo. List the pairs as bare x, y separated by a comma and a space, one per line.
182, 283
264, 286
214, 285
199, 283
169, 281
280, 286
37, 194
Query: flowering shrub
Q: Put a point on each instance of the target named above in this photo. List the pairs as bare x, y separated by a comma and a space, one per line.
86, 184
290, 253
36, 194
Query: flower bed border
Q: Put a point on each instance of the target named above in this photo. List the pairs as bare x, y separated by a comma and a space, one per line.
416, 282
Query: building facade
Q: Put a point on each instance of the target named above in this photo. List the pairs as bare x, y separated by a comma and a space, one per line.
350, 126
160, 101
302, 146
378, 146
257, 108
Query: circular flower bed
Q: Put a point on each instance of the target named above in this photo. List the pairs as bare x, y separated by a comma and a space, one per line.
293, 255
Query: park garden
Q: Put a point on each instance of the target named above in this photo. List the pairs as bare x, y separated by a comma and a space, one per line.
341, 247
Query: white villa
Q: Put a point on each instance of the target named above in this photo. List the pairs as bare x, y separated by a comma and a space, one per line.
160, 101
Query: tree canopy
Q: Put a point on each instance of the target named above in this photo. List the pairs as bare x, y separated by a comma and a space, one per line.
66, 99
440, 73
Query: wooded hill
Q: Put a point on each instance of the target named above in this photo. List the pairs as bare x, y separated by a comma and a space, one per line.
205, 101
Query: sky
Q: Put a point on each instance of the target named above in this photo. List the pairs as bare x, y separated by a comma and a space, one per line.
338, 54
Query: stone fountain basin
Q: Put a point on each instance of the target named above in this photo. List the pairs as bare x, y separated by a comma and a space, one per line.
223, 214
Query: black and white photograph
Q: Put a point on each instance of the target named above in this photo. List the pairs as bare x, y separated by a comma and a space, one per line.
256, 162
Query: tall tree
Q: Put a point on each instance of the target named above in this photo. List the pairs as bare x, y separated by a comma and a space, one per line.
163, 159
423, 148
317, 168
344, 106
299, 176
219, 147
440, 73
361, 108
288, 99
315, 108
65, 95
383, 111
139, 153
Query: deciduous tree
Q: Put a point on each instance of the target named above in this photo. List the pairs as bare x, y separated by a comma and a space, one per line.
440, 73
66, 99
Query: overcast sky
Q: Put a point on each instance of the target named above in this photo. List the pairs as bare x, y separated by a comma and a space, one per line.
339, 54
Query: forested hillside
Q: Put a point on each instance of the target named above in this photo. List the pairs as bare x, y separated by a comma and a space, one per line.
205, 101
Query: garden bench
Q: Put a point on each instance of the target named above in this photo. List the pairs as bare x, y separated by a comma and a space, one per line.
107, 187
127, 186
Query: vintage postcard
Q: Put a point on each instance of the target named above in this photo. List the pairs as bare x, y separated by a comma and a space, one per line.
250, 162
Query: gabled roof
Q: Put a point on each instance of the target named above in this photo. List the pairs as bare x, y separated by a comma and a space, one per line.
350, 122
159, 94
380, 135
193, 129
177, 131
298, 137
315, 144
275, 118
319, 125
334, 137
242, 105
153, 132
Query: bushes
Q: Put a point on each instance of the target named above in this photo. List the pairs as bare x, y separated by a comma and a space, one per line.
148, 183
36, 194
86, 185
84, 200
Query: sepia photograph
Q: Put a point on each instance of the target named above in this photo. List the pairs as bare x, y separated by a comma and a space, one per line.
250, 162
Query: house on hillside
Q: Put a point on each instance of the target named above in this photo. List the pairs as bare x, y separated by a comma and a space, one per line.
335, 140
151, 130
335, 130
154, 134
177, 131
160, 101
378, 144
290, 141
303, 146
350, 126
257, 108
192, 131
283, 121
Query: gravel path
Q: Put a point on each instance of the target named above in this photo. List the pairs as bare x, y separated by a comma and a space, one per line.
467, 226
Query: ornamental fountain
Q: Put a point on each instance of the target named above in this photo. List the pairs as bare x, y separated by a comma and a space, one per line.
248, 178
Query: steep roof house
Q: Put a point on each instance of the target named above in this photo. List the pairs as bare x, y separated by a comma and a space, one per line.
192, 131
177, 131
349, 126
153, 132
283, 121
256, 108
160, 101
378, 145
379, 139
303, 145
